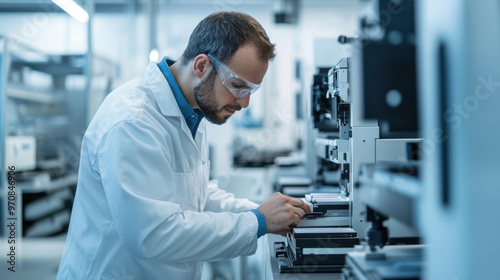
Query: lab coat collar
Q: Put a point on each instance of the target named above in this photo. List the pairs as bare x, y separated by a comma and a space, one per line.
166, 100
162, 92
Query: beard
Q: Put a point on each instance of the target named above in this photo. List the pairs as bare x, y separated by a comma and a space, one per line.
204, 95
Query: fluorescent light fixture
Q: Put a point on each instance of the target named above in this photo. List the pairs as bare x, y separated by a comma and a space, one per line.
154, 55
73, 9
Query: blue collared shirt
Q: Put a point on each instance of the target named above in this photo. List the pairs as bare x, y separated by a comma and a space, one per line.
192, 116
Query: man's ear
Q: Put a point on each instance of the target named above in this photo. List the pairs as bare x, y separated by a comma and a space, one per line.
201, 65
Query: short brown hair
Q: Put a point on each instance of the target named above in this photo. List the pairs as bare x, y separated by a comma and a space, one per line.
221, 34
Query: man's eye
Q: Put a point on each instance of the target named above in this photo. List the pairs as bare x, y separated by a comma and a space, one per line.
237, 86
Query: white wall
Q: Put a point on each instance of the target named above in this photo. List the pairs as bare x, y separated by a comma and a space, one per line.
59, 33
48, 32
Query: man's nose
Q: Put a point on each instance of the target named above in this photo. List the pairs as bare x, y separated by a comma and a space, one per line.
244, 102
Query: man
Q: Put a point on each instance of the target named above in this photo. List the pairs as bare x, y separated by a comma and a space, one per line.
144, 208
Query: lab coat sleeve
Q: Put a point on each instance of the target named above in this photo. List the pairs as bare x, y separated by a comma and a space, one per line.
135, 168
219, 200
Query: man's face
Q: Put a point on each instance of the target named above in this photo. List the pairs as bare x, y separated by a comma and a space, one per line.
215, 101
206, 98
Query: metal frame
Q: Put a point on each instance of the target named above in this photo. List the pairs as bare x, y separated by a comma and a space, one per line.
362, 151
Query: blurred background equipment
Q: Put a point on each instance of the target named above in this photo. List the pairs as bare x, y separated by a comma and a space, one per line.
47, 107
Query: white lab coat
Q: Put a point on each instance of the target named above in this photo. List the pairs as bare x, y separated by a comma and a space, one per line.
144, 208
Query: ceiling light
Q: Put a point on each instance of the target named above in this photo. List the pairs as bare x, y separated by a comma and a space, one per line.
73, 9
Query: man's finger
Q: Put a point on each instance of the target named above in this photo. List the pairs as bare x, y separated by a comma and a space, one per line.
297, 202
284, 231
297, 219
299, 211
306, 207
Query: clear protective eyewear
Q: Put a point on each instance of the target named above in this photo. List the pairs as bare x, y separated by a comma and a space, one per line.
237, 85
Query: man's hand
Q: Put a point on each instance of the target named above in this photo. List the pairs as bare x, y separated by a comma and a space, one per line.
282, 211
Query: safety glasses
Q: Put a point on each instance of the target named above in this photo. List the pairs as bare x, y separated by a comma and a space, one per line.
237, 85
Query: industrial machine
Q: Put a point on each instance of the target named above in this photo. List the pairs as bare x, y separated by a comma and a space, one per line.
319, 243
327, 172
430, 166
321, 240
365, 111
388, 188
311, 250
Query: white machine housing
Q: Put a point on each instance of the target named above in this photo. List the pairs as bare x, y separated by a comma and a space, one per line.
20, 151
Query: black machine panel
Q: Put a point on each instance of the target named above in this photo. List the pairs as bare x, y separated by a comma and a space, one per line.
389, 71
390, 86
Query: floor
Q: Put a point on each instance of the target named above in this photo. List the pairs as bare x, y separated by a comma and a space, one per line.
37, 258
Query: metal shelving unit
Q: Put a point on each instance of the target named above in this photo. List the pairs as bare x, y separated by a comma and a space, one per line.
3, 179
45, 98
27, 95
